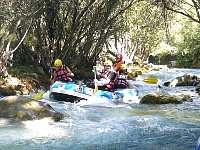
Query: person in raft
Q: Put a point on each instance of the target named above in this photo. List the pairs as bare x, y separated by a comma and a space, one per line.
61, 72
123, 71
104, 73
113, 75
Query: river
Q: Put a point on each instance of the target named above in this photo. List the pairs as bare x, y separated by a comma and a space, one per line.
102, 124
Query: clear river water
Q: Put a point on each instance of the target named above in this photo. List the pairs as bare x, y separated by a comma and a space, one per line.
113, 125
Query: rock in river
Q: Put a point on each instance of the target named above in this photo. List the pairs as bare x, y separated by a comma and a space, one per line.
163, 98
22, 108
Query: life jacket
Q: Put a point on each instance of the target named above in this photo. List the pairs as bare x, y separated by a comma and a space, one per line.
121, 83
118, 66
105, 73
61, 73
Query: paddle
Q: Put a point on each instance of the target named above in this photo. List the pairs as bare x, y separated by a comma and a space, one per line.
38, 96
150, 80
95, 79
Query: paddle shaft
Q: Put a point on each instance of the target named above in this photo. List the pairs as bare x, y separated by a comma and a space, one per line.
95, 77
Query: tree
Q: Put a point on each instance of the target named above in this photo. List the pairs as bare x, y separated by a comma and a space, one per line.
187, 8
140, 30
77, 31
72, 30
189, 46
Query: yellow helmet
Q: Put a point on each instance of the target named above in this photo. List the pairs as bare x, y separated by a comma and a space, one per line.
107, 63
58, 63
123, 67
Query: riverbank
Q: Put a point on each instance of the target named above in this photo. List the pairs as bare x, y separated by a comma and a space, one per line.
23, 80
23, 85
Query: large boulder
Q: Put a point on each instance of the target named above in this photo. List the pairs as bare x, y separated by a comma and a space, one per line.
163, 98
22, 108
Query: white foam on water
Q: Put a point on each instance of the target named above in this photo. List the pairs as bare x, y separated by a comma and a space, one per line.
4, 122
96, 101
130, 100
43, 128
46, 95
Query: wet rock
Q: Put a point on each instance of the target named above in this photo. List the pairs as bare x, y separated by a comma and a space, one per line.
159, 99
196, 82
163, 98
21, 108
187, 98
185, 80
198, 88
133, 74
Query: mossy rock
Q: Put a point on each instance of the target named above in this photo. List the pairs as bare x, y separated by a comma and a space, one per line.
187, 98
159, 99
22, 108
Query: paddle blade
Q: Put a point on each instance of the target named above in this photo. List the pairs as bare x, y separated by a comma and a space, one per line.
151, 80
38, 96
96, 89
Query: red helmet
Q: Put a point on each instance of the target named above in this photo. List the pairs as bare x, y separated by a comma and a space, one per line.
119, 56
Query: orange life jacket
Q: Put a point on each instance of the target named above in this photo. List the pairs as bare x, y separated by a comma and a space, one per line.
118, 66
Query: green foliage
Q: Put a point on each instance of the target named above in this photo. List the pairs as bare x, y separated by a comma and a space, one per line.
143, 26
77, 31
164, 49
21, 71
189, 53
